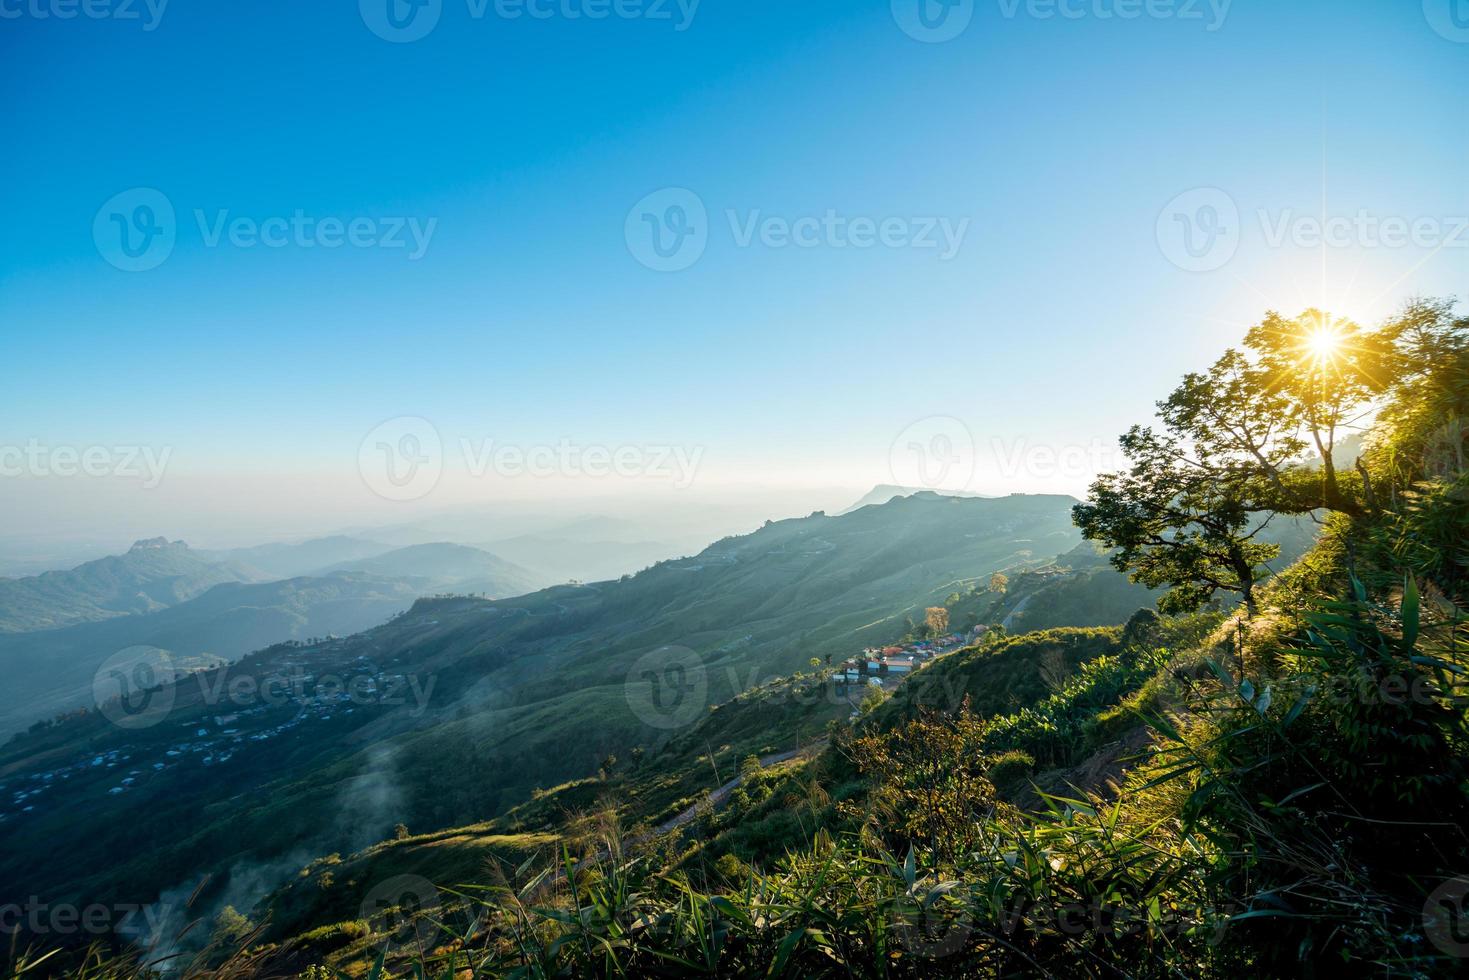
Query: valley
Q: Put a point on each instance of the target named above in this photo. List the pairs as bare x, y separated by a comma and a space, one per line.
462, 708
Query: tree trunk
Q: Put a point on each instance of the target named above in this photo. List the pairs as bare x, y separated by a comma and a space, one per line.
1245, 573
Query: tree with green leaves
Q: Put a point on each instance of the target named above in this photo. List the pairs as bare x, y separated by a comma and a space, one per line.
1425, 424
1276, 412
1325, 374
1258, 433
931, 780
1176, 524
230, 928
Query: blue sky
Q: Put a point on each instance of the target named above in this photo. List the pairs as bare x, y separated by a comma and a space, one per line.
528, 319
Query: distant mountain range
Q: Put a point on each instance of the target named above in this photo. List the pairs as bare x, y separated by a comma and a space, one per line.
884, 492
302, 558
153, 575
434, 568
560, 559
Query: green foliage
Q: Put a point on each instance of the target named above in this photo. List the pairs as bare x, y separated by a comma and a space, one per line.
1427, 535
1177, 523
1008, 769
230, 927
932, 785
1338, 782
1058, 730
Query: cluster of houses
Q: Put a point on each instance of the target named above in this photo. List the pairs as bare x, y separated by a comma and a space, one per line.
210, 740
879, 664
31, 788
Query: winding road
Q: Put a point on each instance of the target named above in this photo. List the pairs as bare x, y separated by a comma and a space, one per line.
718, 796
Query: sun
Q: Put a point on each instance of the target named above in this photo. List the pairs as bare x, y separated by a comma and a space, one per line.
1323, 344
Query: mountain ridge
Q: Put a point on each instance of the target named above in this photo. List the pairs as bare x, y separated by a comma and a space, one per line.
153, 574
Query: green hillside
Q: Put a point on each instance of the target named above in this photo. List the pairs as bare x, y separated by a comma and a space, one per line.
153, 575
